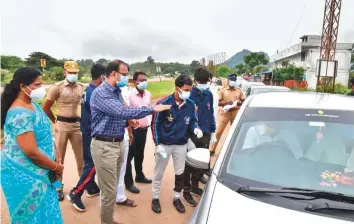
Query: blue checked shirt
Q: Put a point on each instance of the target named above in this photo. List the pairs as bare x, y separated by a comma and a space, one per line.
110, 114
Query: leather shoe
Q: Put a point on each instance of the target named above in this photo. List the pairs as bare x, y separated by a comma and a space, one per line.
60, 195
133, 189
203, 180
143, 180
179, 205
155, 205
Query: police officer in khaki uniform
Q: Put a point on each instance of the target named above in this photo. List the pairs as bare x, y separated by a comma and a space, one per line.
67, 95
227, 96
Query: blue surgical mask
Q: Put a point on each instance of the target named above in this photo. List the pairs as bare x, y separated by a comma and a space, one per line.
142, 85
202, 87
123, 81
184, 95
71, 77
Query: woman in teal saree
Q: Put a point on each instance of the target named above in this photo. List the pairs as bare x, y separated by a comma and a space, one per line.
28, 154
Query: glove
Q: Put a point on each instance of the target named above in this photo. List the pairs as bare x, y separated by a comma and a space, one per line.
213, 139
198, 133
161, 151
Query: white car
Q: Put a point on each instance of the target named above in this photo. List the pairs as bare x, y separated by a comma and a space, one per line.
288, 158
245, 85
265, 89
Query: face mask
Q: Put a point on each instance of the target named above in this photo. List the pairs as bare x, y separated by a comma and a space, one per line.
71, 77
123, 81
232, 84
202, 87
142, 85
184, 95
36, 94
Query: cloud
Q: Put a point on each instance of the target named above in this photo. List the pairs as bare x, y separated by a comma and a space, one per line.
134, 40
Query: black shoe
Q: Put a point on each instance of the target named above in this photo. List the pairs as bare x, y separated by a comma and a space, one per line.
203, 180
179, 205
155, 205
133, 189
60, 194
189, 199
92, 193
197, 192
76, 202
143, 180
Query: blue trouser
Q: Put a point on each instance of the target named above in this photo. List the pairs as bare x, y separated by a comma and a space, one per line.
87, 179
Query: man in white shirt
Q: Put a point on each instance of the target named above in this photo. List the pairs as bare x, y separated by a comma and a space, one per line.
264, 133
121, 198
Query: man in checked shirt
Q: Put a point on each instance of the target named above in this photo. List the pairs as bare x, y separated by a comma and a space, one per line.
109, 119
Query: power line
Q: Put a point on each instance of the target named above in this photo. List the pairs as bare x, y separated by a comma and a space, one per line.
302, 13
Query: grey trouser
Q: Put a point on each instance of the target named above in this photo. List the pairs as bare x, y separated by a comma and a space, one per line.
178, 153
108, 158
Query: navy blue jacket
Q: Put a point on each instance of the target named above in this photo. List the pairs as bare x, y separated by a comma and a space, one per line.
86, 111
204, 105
175, 126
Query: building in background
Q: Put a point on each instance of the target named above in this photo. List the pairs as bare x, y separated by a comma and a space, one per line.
307, 52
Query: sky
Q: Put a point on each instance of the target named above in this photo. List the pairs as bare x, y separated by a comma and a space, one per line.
182, 30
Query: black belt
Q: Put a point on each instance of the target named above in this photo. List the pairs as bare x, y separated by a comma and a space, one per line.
108, 139
68, 119
141, 129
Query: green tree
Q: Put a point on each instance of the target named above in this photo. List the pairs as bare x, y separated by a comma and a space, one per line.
194, 65
11, 62
56, 73
254, 59
241, 69
290, 72
222, 71
102, 61
150, 60
260, 68
34, 60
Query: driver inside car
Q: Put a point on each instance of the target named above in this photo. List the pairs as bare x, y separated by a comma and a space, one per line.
271, 132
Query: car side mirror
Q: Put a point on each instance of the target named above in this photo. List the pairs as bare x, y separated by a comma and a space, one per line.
198, 158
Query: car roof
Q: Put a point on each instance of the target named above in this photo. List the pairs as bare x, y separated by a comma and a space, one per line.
255, 83
269, 87
302, 100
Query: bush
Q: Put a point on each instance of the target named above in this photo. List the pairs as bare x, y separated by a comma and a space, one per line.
56, 73
341, 89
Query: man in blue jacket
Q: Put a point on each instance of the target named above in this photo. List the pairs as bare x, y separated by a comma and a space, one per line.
171, 131
203, 100
87, 179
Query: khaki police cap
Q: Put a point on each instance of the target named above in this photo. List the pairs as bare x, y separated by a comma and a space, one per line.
71, 66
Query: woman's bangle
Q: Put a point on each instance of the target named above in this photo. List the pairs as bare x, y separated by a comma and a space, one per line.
56, 166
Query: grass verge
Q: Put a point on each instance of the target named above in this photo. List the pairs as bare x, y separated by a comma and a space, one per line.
161, 89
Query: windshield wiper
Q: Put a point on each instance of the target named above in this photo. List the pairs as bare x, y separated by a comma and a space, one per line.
315, 194
325, 206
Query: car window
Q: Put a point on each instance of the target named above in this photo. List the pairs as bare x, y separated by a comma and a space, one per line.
293, 148
248, 92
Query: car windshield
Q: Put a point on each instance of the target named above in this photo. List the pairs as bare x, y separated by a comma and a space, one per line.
297, 148
266, 90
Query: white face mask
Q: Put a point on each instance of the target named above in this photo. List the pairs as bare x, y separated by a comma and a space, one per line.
71, 77
232, 84
184, 95
36, 94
